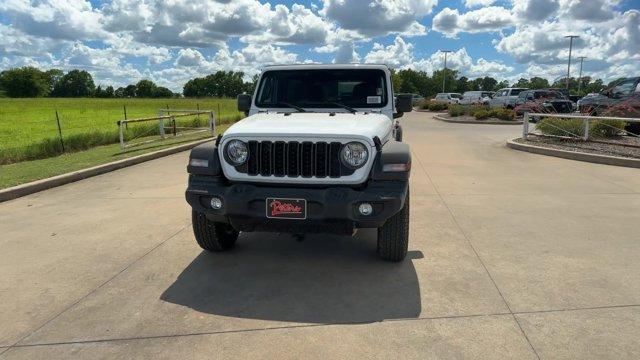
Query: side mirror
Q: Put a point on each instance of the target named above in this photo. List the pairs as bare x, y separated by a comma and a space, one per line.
403, 103
244, 102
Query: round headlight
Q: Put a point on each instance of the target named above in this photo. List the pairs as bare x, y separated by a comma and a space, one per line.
237, 152
354, 154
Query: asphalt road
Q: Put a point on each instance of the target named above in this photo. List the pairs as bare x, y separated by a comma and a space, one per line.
512, 255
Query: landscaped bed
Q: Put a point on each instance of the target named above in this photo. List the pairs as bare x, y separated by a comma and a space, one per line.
467, 119
623, 146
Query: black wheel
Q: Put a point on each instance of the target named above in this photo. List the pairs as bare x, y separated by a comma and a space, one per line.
393, 236
212, 236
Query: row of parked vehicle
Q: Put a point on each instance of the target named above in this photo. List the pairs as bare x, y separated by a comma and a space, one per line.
621, 100
546, 100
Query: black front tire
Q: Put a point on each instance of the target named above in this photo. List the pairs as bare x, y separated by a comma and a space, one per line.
212, 236
393, 236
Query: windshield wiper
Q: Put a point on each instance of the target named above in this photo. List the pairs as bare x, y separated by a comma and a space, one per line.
340, 105
297, 108
348, 108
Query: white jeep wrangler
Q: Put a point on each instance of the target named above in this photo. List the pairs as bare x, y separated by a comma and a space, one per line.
320, 151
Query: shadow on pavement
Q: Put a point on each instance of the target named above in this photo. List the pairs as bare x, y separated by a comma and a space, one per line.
323, 279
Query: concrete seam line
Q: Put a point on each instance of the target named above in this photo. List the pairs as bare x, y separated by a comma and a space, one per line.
237, 331
98, 287
58, 180
576, 155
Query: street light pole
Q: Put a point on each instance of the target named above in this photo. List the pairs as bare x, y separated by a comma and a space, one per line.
571, 37
444, 73
580, 77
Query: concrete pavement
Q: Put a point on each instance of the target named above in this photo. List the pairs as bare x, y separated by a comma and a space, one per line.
512, 255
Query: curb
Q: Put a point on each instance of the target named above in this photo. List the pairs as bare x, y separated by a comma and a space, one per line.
48, 183
578, 156
429, 111
487, 122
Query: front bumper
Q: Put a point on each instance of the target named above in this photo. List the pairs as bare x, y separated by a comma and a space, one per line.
329, 209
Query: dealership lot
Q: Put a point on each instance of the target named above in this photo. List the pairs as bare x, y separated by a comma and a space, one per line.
512, 255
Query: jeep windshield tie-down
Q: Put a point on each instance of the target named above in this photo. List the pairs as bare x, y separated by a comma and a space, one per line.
320, 151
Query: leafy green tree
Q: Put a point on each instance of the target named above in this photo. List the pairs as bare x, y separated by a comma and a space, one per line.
119, 92
162, 92
52, 76
218, 84
522, 83
538, 83
129, 91
145, 89
75, 83
109, 92
462, 84
27, 81
436, 84
502, 84
488, 83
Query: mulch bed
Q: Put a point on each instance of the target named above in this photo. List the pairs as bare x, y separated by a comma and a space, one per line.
624, 146
466, 118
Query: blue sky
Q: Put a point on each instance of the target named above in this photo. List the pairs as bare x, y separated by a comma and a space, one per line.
123, 41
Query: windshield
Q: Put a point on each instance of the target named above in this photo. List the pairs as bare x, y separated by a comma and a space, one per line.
455, 96
515, 92
319, 88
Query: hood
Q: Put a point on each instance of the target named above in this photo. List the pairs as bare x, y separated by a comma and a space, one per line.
318, 125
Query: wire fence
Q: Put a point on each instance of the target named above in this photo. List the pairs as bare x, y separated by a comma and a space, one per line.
57, 132
175, 126
613, 130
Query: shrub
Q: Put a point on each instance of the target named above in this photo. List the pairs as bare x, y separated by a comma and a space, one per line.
456, 110
472, 110
482, 114
606, 128
437, 106
424, 104
503, 114
573, 127
561, 127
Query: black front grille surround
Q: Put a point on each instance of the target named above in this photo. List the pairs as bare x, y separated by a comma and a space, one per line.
292, 159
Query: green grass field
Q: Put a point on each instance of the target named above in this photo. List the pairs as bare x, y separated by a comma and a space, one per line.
26, 171
28, 127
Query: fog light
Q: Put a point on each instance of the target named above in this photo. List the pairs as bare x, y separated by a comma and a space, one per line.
365, 209
216, 203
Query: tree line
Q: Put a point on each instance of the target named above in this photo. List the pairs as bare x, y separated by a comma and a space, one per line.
32, 82
29, 81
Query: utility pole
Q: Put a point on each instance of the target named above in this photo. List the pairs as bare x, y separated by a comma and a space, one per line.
580, 77
571, 37
444, 73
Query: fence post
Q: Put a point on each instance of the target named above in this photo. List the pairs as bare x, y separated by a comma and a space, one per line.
125, 115
121, 134
212, 123
59, 131
219, 116
174, 126
161, 123
198, 114
586, 129
525, 125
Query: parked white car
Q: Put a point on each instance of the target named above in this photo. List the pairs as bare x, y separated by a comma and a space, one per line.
475, 97
505, 98
449, 98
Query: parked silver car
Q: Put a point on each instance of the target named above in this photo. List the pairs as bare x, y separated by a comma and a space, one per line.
449, 98
476, 97
505, 98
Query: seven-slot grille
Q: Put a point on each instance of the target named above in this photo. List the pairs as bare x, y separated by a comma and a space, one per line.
293, 159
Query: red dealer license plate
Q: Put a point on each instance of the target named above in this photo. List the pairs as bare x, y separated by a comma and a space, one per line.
286, 208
